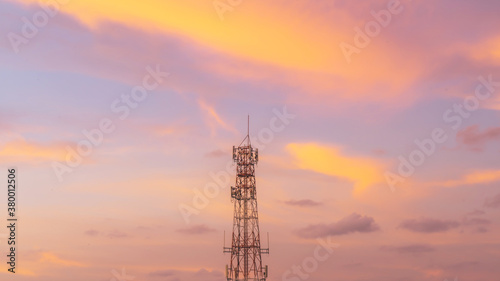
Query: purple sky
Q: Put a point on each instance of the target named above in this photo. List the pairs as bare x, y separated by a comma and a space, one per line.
377, 124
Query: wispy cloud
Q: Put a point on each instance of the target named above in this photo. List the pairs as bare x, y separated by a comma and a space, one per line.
475, 221
52, 258
303, 203
27, 151
474, 139
196, 229
410, 249
472, 178
350, 224
163, 273
429, 225
479, 224
216, 153
213, 119
493, 202
178, 274
117, 234
92, 232
476, 213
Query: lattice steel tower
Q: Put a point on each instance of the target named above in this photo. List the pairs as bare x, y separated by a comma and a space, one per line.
246, 259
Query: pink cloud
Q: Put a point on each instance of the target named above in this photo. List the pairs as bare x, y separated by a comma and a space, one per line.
350, 224
92, 232
410, 249
303, 203
196, 229
493, 202
117, 234
216, 153
474, 139
184, 275
428, 225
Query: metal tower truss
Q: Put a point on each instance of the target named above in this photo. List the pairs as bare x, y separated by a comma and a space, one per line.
246, 251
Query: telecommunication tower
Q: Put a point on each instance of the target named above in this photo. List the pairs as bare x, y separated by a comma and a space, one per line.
246, 259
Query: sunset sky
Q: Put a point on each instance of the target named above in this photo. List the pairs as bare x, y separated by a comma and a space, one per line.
377, 124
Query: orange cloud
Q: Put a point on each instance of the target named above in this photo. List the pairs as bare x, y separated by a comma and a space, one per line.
493, 103
304, 50
214, 119
363, 172
488, 50
176, 128
21, 150
285, 39
51, 258
476, 177
19, 271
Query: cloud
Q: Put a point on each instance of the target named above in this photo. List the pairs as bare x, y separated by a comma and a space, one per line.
462, 265
174, 274
28, 151
353, 265
91, 232
163, 273
428, 225
52, 258
268, 52
265, 53
363, 172
482, 229
493, 202
177, 128
204, 274
196, 229
472, 178
350, 224
213, 118
410, 249
303, 203
272, 38
117, 234
476, 221
476, 213
494, 103
479, 224
216, 153
473, 138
